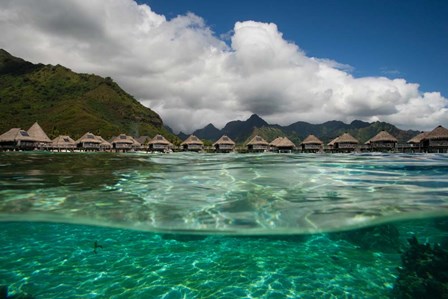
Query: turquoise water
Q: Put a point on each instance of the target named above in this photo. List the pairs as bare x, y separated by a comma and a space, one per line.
265, 226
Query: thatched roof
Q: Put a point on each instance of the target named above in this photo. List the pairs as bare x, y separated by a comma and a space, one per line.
88, 137
346, 138
282, 142
257, 140
438, 133
135, 143
311, 139
332, 142
418, 138
382, 136
192, 140
38, 133
224, 140
104, 143
63, 141
275, 141
16, 134
159, 139
123, 138
143, 139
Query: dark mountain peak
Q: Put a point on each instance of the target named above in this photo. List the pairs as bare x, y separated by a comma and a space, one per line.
210, 126
256, 120
239, 130
209, 132
359, 124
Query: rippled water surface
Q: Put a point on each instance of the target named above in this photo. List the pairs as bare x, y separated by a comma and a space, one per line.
215, 226
233, 193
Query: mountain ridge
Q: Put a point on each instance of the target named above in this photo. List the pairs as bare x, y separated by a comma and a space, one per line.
66, 102
241, 131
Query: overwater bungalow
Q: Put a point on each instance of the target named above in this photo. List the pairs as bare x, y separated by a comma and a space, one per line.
122, 143
383, 141
436, 141
192, 143
282, 145
105, 146
37, 133
224, 144
88, 142
311, 144
17, 139
135, 144
330, 144
159, 144
257, 144
63, 143
415, 143
344, 143
143, 140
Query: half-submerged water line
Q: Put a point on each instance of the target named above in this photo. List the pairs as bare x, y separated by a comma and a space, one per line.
223, 193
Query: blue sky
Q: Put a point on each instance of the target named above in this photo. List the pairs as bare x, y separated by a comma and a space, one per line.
406, 39
196, 62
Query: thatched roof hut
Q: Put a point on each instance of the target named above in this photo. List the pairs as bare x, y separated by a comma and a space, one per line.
36, 132
16, 134
159, 143
17, 138
382, 137
439, 133
383, 141
104, 145
282, 144
418, 138
88, 141
63, 142
257, 144
224, 144
143, 139
192, 143
257, 140
311, 144
311, 139
122, 138
88, 137
346, 138
274, 142
135, 143
332, 142
436, 140
159, 139
344, 143
124, 142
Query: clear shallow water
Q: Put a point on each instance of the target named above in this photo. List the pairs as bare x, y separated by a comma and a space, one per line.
233, 193
57, 261
214, 194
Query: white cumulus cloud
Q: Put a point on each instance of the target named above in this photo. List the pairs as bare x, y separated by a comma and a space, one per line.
192, 77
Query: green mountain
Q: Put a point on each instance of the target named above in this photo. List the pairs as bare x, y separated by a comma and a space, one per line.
65, 102
239, 130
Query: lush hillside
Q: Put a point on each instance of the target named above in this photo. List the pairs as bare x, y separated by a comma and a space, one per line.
242, 131
65, 102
